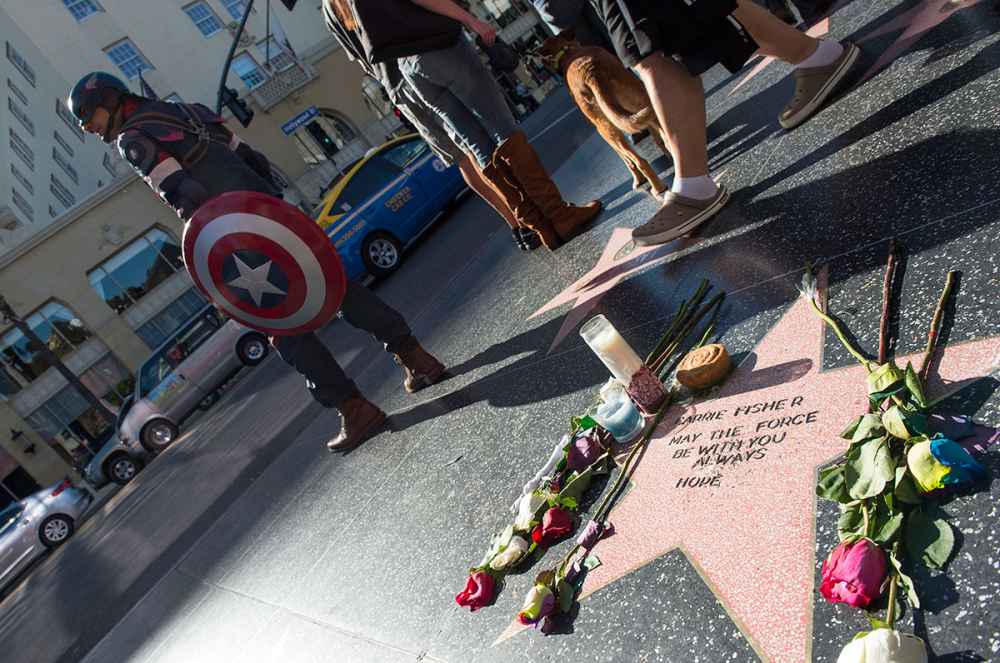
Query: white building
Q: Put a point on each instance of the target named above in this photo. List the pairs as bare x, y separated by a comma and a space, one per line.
46, 166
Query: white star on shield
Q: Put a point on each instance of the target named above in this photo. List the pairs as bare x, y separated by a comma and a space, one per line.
254, 280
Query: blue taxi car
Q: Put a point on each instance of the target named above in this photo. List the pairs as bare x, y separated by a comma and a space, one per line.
384, 202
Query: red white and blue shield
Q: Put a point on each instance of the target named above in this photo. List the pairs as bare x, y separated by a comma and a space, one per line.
264, 263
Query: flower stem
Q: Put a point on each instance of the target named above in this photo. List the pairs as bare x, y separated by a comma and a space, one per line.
890, 612
840, 335
932, 334
883, 330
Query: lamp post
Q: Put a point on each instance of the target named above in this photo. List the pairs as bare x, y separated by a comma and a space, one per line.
10, 317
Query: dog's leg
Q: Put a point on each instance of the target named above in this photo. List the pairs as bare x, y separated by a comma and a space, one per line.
642, 172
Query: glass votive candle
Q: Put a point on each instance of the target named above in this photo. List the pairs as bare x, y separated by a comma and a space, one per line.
611, 348
618, 415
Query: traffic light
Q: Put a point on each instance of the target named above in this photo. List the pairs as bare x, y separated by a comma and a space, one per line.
238, 107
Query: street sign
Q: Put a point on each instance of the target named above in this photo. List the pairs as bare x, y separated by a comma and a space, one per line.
299, 120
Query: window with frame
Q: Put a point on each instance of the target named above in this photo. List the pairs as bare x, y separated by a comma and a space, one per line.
108, 165
67, 117
21, 116
127, 58
16, 91
405, 153
22, 178
156, 330
21, 149
63, 143
246, 68
59, 190
203, 17
81, 9
21, 64
236, 8
66, 166
374, 176
274, 54
126, 277
21, 203
53, 212
56, 326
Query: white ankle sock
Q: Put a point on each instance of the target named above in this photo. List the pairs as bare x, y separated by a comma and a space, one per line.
826, 52
701, 188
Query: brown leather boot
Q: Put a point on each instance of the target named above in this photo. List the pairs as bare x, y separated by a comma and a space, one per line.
525, 211
359, 420
520, 161
420, 367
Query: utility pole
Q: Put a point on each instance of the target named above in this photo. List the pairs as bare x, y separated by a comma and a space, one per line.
10, 317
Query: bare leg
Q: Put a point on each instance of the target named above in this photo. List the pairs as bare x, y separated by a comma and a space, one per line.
678, 99
775, 37
476, 182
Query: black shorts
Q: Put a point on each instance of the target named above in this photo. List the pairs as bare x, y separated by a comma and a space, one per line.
701, 34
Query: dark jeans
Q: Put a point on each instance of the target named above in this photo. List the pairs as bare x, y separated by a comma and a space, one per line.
325, 379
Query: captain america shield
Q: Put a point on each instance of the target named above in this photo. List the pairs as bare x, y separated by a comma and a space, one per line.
264, 262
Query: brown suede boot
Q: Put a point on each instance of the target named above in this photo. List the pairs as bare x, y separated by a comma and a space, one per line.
360, 419
519, 161
525, 211
420, 367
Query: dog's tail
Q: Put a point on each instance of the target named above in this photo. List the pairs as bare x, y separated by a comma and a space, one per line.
620, 117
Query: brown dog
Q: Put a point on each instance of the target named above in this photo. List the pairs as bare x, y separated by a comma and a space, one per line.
612, 99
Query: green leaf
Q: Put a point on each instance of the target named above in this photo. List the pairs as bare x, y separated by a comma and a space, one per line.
831, 484
848, 433
568, 502
592, 562
586, 422
903, 424
565, 593
916, 388
869, 427
546, 578
929, 538
886, 530
905, 582
867, 474
877, 623
851, 523
885, 377
577, 486
905, 490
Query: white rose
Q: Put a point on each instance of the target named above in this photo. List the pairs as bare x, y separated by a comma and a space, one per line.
526, 510
511, 554
884, 646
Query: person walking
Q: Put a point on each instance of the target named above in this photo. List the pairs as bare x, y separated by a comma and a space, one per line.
670, 44
424, 39
187, 155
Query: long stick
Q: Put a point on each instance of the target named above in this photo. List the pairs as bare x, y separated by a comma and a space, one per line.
932, 334
883, 330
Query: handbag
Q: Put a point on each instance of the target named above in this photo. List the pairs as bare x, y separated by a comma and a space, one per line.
503, 57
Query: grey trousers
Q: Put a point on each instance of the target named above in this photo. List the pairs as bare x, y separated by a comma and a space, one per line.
455, 84
325, 379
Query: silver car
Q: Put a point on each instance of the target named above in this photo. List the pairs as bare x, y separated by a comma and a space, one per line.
114, 461
185, 372
38, 522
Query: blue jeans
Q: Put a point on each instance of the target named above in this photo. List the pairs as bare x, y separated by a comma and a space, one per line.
455, 84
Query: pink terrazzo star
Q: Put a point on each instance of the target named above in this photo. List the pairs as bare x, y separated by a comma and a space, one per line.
914, 24
748, 525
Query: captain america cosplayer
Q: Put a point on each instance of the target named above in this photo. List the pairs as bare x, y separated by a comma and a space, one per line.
187, 155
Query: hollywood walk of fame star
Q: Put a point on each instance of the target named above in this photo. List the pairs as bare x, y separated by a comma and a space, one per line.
254, 280
750, 533
914, 24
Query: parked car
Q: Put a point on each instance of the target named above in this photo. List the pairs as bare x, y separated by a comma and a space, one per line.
114, 461
37, 523
183, 373
384, 202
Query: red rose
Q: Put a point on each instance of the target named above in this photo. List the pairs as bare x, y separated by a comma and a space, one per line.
478, 591
557, 523
853, 573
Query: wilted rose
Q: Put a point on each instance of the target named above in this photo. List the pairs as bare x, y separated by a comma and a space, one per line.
478, 592
511, 555
853, 573
556, 524
537, 605
582, 451
884, 646
526, 510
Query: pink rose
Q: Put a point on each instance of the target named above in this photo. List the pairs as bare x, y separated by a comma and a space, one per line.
537, 605
557, 523
854, 573
583, 450
478, 591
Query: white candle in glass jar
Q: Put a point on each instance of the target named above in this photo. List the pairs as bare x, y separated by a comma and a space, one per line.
611, 348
